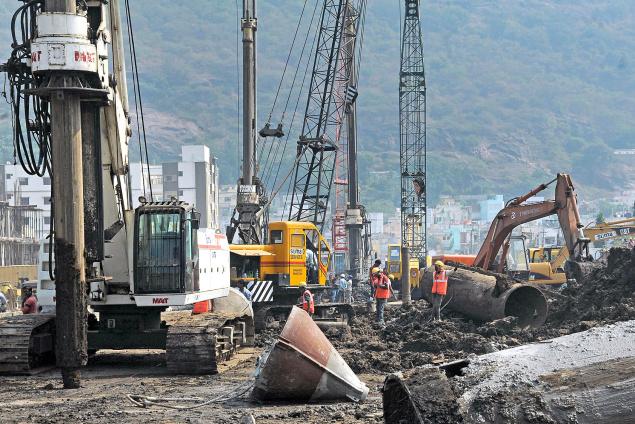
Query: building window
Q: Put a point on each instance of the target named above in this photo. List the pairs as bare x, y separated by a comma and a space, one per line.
46, 265
47, 200
47, 221
47, 245
47, 181
23, 181
24, 201
9, 196
180, 173
180, 193
9, 176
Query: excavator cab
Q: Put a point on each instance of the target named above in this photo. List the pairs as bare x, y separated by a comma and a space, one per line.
517, 262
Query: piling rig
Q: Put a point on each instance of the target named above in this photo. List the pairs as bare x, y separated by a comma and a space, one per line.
70, 104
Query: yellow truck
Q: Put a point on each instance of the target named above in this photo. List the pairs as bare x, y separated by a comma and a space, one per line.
296, 253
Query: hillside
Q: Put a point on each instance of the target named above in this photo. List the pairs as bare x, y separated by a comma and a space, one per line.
516, 90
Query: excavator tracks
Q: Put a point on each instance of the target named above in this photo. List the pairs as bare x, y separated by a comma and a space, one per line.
26, 342
196, 344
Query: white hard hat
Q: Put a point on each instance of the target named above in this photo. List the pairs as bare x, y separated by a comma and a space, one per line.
343, 275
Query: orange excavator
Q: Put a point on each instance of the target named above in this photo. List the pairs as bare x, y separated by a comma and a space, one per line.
517, 212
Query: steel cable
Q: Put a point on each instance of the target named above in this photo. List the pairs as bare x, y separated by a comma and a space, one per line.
146, 401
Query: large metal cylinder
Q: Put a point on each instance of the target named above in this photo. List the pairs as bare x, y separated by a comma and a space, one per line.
303, 365
476, 296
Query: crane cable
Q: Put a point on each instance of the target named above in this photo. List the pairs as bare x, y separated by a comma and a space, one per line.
269, 160
269, 172
137, 99
146, 401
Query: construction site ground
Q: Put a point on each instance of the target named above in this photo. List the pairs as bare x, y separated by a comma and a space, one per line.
408, 340
111, 375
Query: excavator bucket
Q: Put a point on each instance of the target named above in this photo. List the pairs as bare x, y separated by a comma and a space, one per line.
303, 365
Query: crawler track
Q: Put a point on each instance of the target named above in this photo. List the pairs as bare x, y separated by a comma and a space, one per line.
197, 343
26, 342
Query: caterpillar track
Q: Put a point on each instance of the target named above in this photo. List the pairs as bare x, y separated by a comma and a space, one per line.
26, 342
197, 343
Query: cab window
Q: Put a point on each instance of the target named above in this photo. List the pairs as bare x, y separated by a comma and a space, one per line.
325, 254
276, 236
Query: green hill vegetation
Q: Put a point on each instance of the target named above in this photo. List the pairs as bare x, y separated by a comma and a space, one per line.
517, 91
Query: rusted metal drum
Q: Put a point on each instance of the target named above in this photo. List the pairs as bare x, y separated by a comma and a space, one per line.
303, 365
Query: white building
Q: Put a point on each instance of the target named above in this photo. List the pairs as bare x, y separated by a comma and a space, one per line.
194, 179
21, 189
376, 222
227, 196
140, 182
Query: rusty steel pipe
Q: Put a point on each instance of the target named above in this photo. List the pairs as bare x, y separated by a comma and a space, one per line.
475, 295
303, 365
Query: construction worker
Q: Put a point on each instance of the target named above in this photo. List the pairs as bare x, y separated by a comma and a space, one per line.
307, 299
383, 291
373, 268
29, 306
342, 286
439, 289
242, 287
348, 293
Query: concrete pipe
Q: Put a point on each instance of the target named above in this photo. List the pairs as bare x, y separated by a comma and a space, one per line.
476, 296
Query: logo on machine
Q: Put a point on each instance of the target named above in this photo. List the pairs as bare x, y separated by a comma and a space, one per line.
605, 235
296, 251
159, 300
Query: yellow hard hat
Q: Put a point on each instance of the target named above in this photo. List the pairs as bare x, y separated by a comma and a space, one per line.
392, 277
438, 263
375, 270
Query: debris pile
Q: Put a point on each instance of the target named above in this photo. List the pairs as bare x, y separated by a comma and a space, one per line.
607, 294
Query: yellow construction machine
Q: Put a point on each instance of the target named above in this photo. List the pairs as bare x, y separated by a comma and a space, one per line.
296, 253
546, 264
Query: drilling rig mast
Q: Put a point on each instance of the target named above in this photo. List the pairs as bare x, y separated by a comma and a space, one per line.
251, 198
412, 132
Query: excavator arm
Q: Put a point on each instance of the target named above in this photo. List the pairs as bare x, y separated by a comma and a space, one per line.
517, 213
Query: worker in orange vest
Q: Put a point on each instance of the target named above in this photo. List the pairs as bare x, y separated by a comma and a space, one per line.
383, 291
439, 289
307, 299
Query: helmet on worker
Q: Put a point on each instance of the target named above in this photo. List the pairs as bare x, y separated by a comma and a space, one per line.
343, 275
438, 264
302, 285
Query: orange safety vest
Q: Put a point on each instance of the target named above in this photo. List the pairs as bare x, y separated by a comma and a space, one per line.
440, 283
309, 305
381, 292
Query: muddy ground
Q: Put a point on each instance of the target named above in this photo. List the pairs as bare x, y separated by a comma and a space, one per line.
112, 375
408, 340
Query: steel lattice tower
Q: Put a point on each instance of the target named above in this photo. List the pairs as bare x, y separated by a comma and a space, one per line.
317, 147
412, 132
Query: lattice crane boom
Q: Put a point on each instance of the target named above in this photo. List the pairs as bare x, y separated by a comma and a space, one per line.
412, 120
317, 146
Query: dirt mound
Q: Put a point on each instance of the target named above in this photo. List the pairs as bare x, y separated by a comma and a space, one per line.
606, 295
